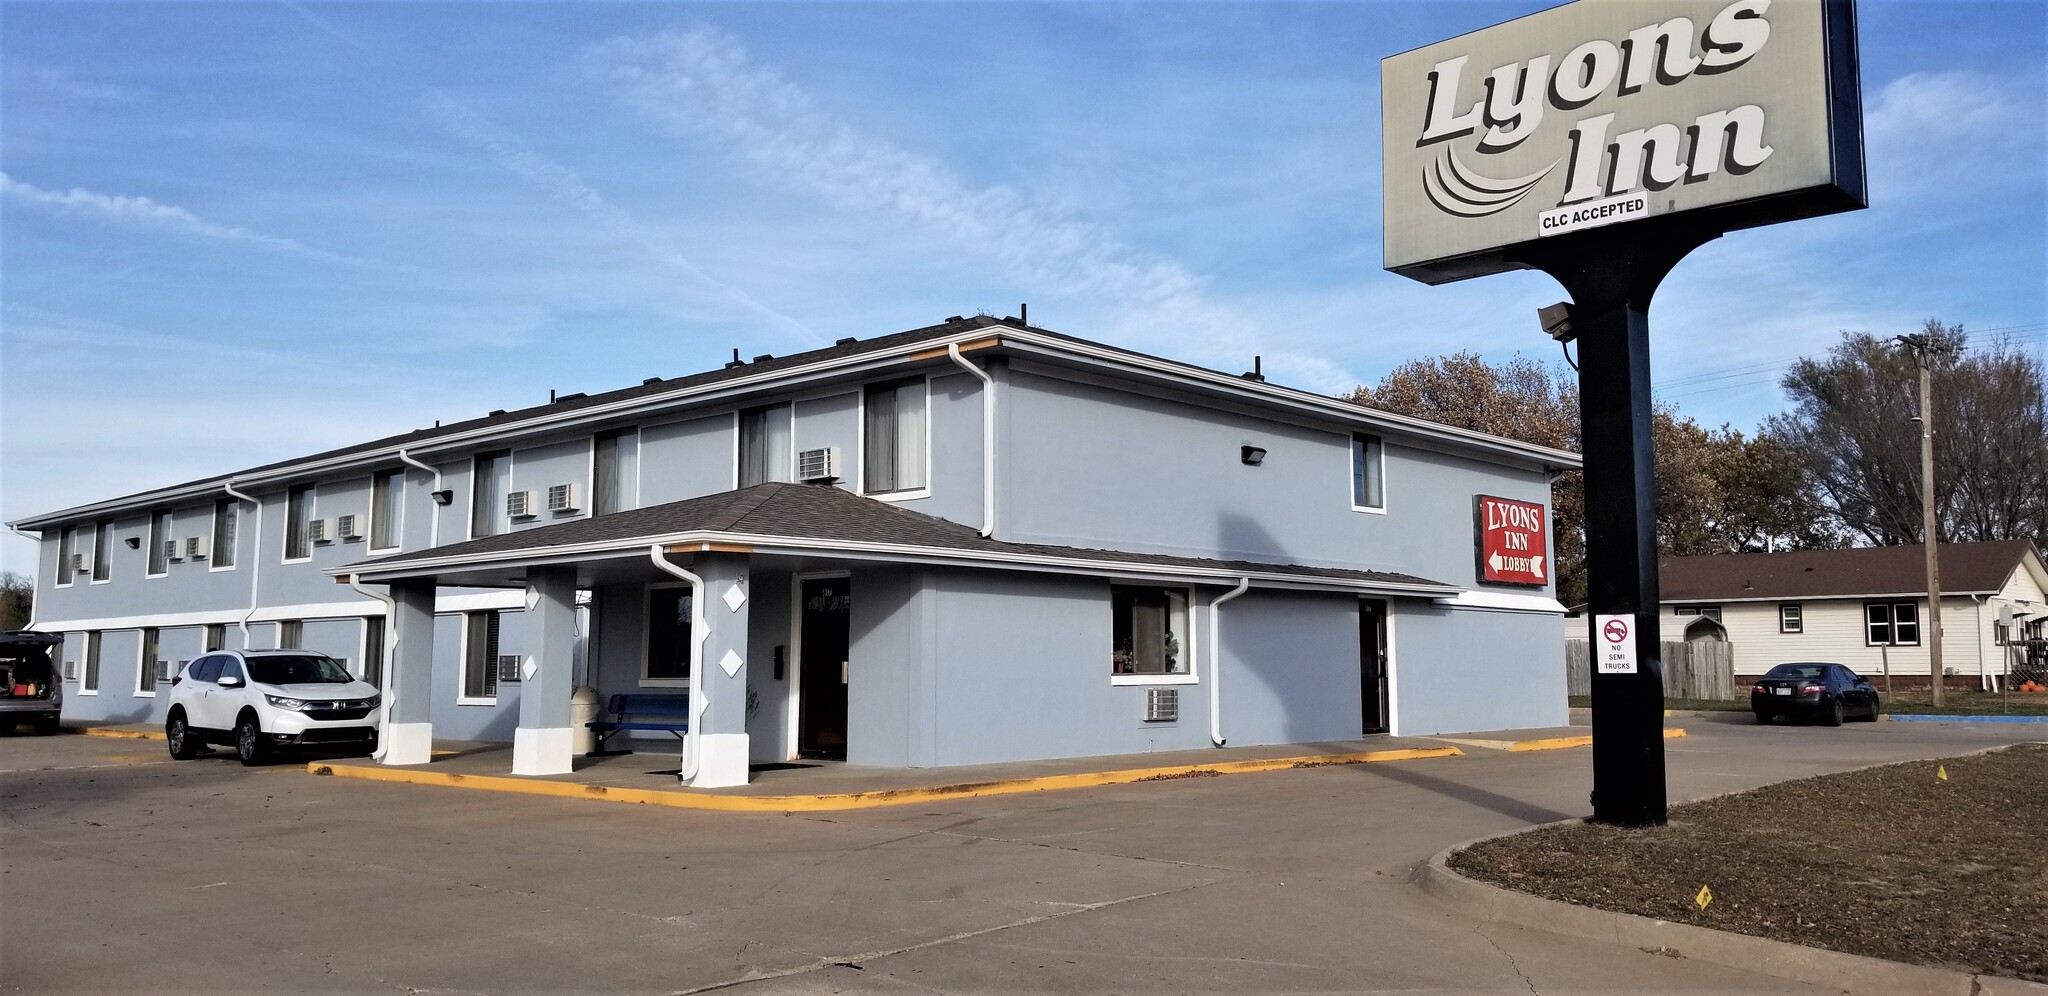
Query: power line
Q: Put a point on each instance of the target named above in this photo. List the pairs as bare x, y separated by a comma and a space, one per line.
1748, 375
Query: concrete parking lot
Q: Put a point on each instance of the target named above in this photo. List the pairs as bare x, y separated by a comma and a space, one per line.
126, 872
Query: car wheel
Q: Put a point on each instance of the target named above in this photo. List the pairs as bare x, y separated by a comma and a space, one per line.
1871, 716
1833, 715
6, 727
1763, 719
249, 745
49, 724
178, 737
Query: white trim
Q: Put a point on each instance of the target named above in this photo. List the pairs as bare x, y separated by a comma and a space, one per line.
509, 600
735, 484
1351, 475
462, 664
503, 601
1393, 670
860, 449
1191, 652
646, 619
144, 664
1501, 601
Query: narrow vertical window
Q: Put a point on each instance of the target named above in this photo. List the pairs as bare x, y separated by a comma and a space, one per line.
893, 438
490, 479
1368, 470
386, 489
225, 512
291, 633
103, 551
373, 650
67, 555
764, 445
91, 684
298, 516
216, 637
480, 657
614, 472
159, 534
146, 664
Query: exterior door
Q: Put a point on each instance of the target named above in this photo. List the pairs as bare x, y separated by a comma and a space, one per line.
1372, 665
822, 673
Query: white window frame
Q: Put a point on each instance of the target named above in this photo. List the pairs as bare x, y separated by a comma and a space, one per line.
145, 662
1351, 471
646, 644
1710, 610
311, 494
462, 698
739, 439
299, 643
67, 548
157, 538
206, 631
89, 664
497, 510
364, 647
861, 444
102, 547
376, 516
1192, 651
793, 664
233, 508
1891, 624
627, 502
1793, 624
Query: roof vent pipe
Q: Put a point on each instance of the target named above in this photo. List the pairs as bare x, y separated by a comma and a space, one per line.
988, 438
255, 563
693, 751
1216, 660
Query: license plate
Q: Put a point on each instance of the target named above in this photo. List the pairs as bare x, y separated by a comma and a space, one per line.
1781, 691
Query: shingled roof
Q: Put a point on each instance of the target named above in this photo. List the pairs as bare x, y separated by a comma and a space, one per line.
810, 512
1966, 568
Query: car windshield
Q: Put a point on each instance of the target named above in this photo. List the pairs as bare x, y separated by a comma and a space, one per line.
1798, 671
305, 669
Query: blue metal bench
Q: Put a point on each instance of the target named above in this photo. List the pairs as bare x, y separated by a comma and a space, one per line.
640, 711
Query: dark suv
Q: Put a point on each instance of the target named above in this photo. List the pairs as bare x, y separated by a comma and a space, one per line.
30, 691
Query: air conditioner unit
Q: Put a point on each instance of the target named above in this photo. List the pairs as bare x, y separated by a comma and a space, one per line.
79, 563
165, 670
562, 498
821, 464
508, 667
349, 527
70, 670
1162, 705
519, 505
172, 551
195, 548
317, 531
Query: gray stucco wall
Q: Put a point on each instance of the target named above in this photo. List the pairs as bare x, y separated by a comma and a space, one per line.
681, 460
1464, 670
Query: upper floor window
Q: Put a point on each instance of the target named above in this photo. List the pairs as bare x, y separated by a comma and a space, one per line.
764, 445
1791, 618
1710, 611
1368, 472
225, 512
387, 488
1891, 624
893, 438
490, 480
67, 555
614, 463
298, 520
103, 551
159, 535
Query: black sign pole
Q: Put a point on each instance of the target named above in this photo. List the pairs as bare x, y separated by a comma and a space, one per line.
1611, 278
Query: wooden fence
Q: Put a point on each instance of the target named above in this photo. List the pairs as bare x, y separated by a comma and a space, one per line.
1691, 670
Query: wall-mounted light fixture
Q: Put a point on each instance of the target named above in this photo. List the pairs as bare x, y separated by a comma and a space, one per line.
445, 496
1252, 455
134, 542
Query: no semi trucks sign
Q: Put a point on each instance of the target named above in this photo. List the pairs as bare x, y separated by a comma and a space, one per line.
1601, 113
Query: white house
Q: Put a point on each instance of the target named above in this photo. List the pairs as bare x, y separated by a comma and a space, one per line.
1864, 607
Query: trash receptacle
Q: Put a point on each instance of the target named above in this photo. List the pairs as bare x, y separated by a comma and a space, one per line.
583, 711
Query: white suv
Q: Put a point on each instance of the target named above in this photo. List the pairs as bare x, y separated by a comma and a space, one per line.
258, 700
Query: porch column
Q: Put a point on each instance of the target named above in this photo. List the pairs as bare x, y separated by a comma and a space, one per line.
542, 744
722, 741
408, 736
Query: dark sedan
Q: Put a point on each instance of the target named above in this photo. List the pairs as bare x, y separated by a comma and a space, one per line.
1826, 692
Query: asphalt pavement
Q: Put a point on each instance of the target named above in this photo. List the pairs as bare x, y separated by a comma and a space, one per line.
122, 871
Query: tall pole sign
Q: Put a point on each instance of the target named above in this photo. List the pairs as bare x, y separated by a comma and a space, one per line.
1600, 143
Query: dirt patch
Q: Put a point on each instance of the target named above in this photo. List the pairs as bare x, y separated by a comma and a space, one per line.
1892, 862
1177, 775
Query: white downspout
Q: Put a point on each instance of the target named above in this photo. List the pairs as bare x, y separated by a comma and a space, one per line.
1216, 660
30, 625
255, 563
390, 689
686, 771
988, 438
1983, 676
434, 523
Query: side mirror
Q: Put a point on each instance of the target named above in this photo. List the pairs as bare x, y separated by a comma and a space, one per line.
229, 681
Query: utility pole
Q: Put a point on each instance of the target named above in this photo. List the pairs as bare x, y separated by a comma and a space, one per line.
1922, 345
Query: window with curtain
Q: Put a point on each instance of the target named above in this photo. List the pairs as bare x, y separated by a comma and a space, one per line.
1368, 471
298, 516
373, 650
1148, 631
480, 656
489, 480
146, 663
764, 445
67, 552
159, 534
216, 636
91, 682
387, 489
614, 471
102, 551
893, 438
225, 512
291, 634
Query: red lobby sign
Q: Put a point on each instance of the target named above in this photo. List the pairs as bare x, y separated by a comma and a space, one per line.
1514, 542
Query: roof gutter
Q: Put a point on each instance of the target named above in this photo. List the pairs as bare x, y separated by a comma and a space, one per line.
255, 562
700, 630
988, 438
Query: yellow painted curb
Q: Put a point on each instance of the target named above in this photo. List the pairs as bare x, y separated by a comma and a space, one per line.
1560, 743
93, 731
857, 800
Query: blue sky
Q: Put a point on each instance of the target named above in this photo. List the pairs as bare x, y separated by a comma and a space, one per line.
234, 233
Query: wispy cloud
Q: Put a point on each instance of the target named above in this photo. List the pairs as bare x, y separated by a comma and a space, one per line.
563, 184
58, 80
142, 212
702, 83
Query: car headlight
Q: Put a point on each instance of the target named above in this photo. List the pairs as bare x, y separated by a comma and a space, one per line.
287, 702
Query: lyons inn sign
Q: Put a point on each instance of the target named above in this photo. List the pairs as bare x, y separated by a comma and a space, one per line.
1596, 113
